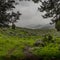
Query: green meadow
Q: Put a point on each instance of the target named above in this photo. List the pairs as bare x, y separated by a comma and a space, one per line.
29, 44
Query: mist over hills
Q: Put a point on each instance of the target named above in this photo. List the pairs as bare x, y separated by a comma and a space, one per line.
46, 26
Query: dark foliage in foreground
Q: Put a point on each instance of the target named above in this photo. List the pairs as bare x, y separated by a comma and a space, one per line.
5, 16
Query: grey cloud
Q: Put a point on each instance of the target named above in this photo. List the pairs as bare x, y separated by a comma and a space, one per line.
30, 15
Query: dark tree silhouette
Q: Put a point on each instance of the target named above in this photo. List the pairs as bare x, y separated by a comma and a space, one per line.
52, 9
14, 17
7, 17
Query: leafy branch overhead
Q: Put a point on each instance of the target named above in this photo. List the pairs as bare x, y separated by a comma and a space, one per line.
52, 9
5, 16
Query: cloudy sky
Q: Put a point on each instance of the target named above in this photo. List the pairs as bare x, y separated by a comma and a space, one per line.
30, 14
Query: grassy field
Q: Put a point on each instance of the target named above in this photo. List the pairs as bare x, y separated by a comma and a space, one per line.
22, 44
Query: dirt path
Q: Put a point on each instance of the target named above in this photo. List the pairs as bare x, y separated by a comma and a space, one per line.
28, 53
9, 53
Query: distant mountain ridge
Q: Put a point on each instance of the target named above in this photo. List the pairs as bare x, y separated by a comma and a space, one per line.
46, 26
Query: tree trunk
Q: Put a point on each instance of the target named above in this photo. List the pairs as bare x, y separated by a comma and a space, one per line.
13, 26
57, 25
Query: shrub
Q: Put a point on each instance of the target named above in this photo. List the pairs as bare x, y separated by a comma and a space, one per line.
48, 38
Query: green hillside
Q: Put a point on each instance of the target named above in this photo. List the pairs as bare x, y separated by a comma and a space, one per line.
22, 44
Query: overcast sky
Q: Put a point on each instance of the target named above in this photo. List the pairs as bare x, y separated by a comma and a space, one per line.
30, 14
